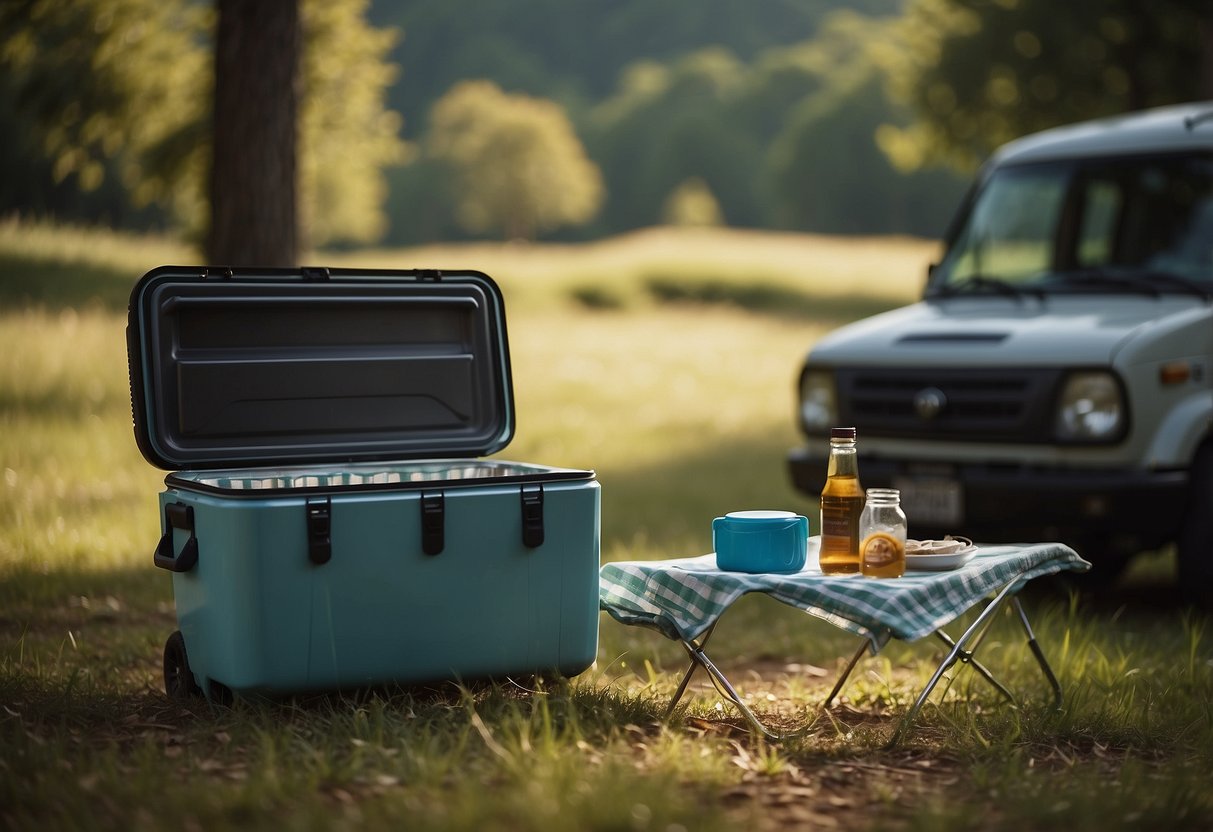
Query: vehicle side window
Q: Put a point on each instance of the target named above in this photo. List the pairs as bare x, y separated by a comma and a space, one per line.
1180, 238
1102, 204
1148, 213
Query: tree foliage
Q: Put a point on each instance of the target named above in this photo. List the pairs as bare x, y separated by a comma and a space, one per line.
788, 140
348, 136
105, 87
667, 124
979, 73
96, 85
576, 52
827, 169
691, 204
519, 167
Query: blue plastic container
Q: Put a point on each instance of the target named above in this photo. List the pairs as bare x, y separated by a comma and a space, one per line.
760, 541
329, 523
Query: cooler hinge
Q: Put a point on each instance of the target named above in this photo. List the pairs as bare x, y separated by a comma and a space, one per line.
314, 273
532, 517
319, 529
433, 523
221, 272
428, 274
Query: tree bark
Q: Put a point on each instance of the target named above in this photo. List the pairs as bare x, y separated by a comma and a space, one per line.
1206, 52
254, 212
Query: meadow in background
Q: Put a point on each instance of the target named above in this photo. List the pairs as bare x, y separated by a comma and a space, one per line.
666, 360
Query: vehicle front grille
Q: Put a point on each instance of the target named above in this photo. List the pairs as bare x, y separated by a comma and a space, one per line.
1000, 404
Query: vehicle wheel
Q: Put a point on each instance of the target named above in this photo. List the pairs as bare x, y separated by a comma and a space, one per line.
178, 678
1195, 544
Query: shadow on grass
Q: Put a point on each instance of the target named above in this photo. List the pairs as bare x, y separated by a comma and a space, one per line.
36, 591
599, 298
29, 281
61, 403
764, 297
1132, 597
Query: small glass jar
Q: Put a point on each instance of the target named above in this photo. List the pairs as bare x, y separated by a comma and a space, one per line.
882, 535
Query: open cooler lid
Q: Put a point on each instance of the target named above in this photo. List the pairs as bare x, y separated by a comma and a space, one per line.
272, 367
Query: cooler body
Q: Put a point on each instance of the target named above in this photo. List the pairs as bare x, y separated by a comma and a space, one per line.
417, 580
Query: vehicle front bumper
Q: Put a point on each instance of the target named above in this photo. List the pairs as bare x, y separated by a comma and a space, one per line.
1008, 503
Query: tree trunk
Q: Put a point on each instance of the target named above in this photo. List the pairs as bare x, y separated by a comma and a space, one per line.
254, 216
1206, 53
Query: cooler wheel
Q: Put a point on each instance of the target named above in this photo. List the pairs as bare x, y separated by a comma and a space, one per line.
178, 678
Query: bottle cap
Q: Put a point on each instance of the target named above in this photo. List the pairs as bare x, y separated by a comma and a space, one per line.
842, 433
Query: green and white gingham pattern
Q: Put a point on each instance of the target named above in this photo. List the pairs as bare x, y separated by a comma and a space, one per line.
683, 597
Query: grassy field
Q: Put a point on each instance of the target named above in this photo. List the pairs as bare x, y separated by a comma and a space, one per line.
666, 361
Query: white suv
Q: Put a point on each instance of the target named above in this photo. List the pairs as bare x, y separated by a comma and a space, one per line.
1056, 380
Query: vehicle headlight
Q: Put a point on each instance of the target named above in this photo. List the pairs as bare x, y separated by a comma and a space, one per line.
818, 401
1091, 408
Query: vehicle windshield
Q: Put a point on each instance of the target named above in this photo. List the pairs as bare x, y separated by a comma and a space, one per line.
1140, 224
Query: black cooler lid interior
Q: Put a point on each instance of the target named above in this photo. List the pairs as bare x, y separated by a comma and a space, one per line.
272, 367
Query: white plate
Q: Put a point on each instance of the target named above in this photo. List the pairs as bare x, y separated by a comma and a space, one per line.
940, 563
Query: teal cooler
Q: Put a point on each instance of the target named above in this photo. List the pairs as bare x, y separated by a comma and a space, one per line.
329, 521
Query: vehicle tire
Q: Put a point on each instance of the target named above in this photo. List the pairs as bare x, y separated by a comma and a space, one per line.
179, 681
1194, 548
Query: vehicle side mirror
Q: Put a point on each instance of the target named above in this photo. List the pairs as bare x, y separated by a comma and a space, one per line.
926, 284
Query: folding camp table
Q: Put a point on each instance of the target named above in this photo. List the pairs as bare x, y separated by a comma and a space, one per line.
685, 598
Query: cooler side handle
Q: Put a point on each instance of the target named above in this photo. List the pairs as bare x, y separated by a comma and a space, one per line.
177, 516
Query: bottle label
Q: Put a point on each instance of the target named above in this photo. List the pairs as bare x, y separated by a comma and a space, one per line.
880, 549
836, 523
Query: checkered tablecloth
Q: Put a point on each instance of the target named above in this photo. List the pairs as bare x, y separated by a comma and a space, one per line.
683, 597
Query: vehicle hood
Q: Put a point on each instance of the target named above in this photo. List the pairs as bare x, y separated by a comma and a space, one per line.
1065, 330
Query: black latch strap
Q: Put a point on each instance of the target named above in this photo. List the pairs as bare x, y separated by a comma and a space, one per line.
532, 517
319, 529
433, 522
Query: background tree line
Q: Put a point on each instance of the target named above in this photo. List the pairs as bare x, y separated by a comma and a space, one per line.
444, 119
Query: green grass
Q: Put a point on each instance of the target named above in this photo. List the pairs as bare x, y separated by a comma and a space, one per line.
667, 363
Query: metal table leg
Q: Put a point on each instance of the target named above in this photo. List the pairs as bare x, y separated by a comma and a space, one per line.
1038, 653
966, 656
846, 674
972, 635
725, 689
695, 650
686, 677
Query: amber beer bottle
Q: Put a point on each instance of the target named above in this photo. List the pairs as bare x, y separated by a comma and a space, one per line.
841, 505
